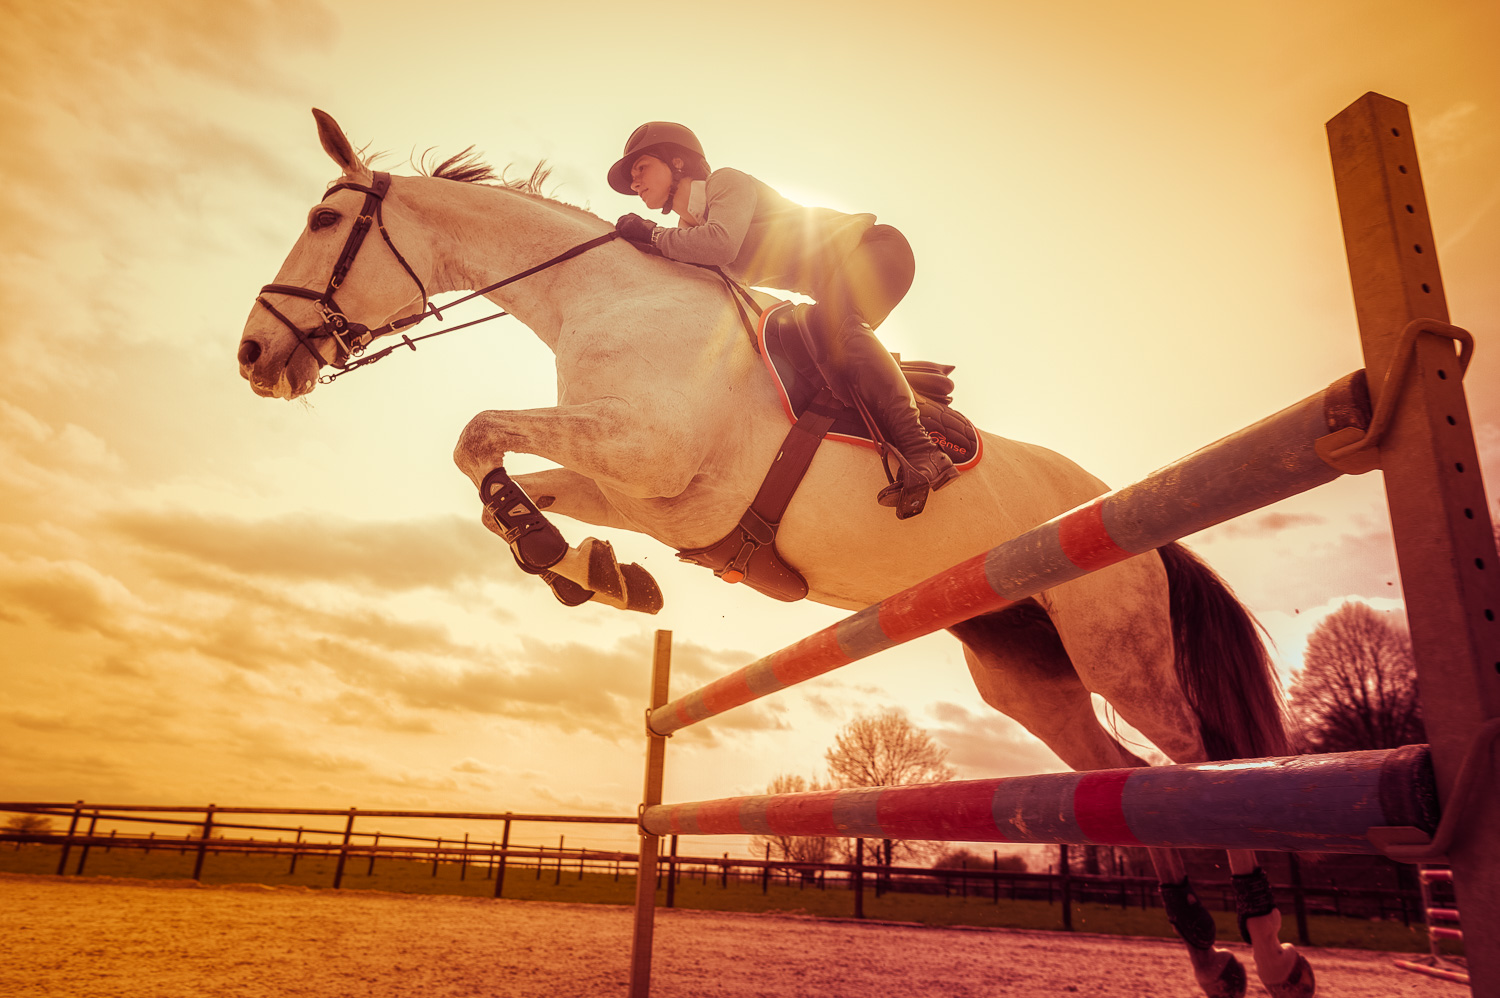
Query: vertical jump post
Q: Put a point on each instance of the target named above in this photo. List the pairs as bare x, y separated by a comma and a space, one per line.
645, 870
1439, 516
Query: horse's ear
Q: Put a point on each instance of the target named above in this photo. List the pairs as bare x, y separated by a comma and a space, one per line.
335, 144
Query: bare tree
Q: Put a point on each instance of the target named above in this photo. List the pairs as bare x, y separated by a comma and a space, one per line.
967, 859
29, 824
1358, 686
795, 848
887, 750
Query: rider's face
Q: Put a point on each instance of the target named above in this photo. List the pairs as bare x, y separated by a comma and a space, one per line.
651, 179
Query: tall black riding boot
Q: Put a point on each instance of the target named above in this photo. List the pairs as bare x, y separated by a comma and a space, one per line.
870, 377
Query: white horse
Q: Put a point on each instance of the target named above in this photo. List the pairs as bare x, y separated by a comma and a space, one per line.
666, 422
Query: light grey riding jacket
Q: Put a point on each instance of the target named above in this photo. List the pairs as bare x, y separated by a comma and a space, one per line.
762, 239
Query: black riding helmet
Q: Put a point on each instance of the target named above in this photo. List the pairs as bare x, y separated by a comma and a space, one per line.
665, 140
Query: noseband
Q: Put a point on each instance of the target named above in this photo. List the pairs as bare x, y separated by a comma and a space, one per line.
350, 338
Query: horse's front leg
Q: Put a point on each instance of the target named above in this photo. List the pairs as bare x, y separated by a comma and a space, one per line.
596, 441
644, 454
591, 564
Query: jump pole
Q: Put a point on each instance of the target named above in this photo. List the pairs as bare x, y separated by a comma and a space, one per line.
1309, 803
1245, 471
1439, 513
645, 870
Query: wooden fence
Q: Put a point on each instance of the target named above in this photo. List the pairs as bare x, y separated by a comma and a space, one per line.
210, 832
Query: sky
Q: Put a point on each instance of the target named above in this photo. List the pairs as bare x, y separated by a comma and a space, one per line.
1127, 240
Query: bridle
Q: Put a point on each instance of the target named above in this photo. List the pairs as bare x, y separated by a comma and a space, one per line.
350, 338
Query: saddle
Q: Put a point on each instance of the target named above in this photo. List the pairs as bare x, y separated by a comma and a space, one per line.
748, 552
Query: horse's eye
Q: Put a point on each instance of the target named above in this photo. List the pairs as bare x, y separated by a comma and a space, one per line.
324, 219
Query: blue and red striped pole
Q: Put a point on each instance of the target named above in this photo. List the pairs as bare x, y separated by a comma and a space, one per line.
1313, 803
1251, 469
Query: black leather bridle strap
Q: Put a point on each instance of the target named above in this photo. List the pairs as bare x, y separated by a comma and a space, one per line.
337, 326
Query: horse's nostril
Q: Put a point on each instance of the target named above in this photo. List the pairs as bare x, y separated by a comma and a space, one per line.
249, 352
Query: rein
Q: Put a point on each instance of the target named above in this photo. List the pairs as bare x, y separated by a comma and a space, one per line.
358, 361
351, 338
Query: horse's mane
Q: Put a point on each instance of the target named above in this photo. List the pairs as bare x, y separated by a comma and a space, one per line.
468, 167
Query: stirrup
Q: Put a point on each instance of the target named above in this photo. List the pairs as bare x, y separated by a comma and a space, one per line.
908, 502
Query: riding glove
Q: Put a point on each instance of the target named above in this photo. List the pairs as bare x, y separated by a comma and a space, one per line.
635, 228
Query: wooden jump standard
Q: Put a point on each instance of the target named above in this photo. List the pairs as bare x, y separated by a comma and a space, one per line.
1418, 434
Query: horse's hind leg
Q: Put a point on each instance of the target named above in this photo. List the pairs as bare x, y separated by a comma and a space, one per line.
1284, 971
1118, 633
1023, 670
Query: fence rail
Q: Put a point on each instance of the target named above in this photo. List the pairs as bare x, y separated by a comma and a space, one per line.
491, 860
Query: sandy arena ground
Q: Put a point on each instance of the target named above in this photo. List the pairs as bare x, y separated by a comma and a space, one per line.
106, 938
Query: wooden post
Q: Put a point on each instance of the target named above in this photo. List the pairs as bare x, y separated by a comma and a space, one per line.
500, 870
338, 872
645, 871
672, 875
463, 861
83, 857
1299, 898
1439, 514
1065, 886
765, 872
859, 878
208, 827
370, 870
296, 851
62, 862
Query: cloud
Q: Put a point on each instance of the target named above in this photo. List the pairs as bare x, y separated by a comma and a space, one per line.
577, 803
109, 168
989, 745
69, 595
1269, 524
393, 556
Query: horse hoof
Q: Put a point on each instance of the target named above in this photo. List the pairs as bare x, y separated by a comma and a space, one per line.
626, 587
1219, 973
1298, 984
641, 591
568, 592
604, 570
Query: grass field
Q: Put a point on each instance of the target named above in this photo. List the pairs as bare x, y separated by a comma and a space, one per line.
548, 884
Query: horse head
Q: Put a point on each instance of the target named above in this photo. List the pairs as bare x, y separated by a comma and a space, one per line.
336, 287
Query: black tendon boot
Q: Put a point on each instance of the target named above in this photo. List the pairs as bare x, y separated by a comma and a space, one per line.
869, 377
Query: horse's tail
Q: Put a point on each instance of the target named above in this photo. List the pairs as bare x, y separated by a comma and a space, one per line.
1222, 663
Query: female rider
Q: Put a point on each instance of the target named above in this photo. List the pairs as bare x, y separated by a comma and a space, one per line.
855, 270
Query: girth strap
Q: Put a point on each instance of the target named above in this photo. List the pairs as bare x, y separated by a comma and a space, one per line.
748, 552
